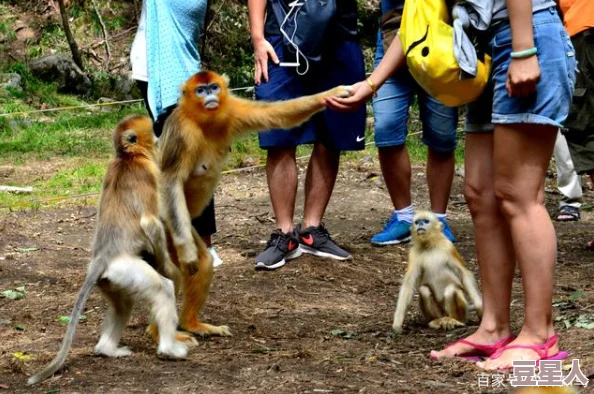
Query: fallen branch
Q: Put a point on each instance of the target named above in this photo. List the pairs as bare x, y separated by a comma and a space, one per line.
105, 36
15, 189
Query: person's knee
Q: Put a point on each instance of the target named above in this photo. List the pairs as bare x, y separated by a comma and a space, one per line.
510, 198
479, 197
281, 154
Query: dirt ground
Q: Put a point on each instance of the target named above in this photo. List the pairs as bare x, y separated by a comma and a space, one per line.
284, 321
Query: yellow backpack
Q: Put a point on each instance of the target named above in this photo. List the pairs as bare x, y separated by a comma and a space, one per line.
428, 41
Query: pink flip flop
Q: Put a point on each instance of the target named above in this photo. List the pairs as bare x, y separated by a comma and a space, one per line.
480, 351
541, 350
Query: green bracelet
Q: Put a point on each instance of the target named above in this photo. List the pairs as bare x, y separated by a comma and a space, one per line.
524, 54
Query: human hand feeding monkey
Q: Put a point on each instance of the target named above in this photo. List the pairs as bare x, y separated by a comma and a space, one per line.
436, 270
129, 251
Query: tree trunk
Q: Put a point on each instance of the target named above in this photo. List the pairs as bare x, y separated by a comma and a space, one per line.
73, 46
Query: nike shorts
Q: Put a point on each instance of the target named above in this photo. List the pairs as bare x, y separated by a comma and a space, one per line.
342, 64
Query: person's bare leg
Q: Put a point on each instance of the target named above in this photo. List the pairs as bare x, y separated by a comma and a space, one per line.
440, 174
207, 239
319, 183
395, 164
494, 248
281, 174
521, 154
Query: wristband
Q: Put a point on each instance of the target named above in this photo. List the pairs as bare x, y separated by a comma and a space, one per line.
524, 54
372, 86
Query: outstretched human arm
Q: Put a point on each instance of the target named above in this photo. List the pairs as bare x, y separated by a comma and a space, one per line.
393, 60
523, 74
262, 48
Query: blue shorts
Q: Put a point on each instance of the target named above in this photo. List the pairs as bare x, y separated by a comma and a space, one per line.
343, 64
550, 105
390, 109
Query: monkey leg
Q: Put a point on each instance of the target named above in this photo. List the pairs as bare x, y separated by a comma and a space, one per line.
455, 307
118, 314
429, 305
196, 289
133, 277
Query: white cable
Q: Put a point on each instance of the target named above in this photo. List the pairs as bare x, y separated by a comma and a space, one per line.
296, 5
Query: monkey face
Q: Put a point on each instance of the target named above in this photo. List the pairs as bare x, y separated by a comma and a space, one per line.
425, 224
209, 93
207, 90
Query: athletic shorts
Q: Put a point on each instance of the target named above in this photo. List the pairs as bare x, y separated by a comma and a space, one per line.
557, 61
391, 106
342, 64
580, 122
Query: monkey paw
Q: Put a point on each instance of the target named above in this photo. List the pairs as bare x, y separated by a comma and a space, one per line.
174, 351
106, 351
397, 329
445, 323
186, 338
343, 91
204, 330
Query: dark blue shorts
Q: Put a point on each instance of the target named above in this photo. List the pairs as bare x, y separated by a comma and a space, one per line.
343, 64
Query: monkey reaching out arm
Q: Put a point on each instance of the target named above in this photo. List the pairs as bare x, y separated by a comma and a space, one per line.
195, 142
437, 271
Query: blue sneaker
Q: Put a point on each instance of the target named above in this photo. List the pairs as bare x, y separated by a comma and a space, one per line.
446, 230
395, 232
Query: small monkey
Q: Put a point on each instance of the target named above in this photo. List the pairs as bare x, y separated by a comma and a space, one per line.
437, 271
196, 140
129, 238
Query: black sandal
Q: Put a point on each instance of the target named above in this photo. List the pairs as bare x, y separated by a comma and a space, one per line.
568, 213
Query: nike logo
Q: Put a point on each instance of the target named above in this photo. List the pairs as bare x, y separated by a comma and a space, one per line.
308, 240
291, 245
359, 139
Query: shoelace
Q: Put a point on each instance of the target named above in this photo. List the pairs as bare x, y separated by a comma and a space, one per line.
275, 239
322, 232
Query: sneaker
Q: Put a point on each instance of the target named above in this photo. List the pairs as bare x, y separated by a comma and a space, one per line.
216, 259
317, 241
446, 230
394, 232
280, 248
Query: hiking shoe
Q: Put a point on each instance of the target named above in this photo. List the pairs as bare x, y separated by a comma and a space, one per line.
280, 248
446, 230
317, 241
394, 232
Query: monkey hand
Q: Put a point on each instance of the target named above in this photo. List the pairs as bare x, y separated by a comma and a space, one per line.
341, 91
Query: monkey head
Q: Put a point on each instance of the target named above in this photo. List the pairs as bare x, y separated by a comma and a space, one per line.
134, 136
426, 226
206, 90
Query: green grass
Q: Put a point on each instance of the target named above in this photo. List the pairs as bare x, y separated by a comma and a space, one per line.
65, 153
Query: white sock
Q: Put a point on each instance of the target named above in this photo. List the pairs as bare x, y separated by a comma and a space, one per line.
441, 215
406, 214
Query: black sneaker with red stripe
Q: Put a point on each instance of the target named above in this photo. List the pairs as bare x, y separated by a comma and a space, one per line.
317, 241
280, 248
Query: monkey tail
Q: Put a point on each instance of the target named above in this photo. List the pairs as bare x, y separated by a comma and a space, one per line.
96, 269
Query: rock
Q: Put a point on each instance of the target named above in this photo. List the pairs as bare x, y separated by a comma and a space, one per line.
12, 81
123, 86
61, 68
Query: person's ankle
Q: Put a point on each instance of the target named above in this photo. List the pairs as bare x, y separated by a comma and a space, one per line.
286, 228
494, 330
310, 223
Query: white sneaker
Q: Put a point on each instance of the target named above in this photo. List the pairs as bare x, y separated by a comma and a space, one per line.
216, 259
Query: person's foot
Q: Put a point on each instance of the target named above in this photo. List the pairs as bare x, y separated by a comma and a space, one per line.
590, 245
216, 259
446, 230
568, 213
280, 248
523, 348
468, 346
317, 241
394, 232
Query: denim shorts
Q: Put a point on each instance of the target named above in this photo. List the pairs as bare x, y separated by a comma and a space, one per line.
391, 106
550, 105
342, 64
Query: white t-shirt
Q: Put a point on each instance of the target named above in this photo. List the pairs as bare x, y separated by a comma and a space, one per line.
138, 51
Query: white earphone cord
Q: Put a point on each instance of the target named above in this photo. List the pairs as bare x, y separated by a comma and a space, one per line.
294, 6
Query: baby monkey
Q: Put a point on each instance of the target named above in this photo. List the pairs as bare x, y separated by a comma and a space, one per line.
437, 271
129, 253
